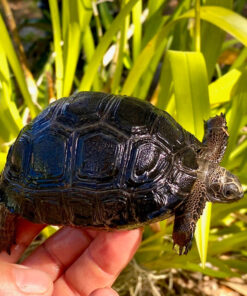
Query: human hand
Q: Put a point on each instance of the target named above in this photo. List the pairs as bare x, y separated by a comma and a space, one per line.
72, 262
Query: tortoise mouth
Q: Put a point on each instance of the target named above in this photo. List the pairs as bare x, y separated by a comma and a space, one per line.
226, 200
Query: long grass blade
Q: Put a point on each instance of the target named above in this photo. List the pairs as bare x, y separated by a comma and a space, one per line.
136, 15
16, 67
105, 41
9, 112
121, 46
213, 38
73, 42
57, 46
144, 59
238, 111
3, 157
226, 19
192, 102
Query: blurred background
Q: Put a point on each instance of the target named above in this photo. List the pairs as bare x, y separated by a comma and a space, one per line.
186, 57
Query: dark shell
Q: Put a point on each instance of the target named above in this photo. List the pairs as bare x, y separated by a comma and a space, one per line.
100, 160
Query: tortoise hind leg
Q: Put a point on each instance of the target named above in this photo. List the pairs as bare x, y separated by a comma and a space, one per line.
7, 229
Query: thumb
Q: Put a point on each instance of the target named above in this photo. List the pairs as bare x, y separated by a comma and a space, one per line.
104, 292
20, 280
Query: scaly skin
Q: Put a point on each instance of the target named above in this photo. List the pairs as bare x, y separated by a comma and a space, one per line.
214, 183
7, 229
187, 216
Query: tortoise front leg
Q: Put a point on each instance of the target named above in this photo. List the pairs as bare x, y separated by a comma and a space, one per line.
186, 217
7, 229
215, 139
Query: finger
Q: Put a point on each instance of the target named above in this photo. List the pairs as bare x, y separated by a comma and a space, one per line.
59, 251
25, 233
104, 292
19, 281
100, 264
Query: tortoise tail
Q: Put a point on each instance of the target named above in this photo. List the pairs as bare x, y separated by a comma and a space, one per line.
7, 226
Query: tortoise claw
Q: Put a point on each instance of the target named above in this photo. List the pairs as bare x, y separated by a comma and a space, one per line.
183, 247
181, 250
188, 247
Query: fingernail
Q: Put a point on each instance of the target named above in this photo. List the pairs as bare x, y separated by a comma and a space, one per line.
31, 281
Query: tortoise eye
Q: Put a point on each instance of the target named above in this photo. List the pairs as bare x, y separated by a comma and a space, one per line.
231, 190
228, 193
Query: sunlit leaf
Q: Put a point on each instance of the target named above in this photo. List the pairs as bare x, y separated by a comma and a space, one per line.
57, 46
189, 75
105, 41
220, 91
16, 67
226, 19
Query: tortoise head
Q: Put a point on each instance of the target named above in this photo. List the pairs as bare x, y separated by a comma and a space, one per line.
222, 186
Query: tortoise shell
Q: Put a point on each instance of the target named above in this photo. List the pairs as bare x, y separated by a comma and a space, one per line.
100, 160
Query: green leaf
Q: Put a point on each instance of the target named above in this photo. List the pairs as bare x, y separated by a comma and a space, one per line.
143, 60
202, 233
49, 231
240, 60
136, 15
71, 55
230, 243
149, 74
121, 43
220, 211
168, 261
16, 67
213, 38
237, 264
238, 110
190, 80
11, 120
166, 86
226, 19
77, 28
220, 91
3, 157
105, 41
191, 89
57, 46
106, 15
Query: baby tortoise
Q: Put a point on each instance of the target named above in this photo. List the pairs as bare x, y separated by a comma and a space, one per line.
111, 162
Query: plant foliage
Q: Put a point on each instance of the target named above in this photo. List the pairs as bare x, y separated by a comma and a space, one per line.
190, 62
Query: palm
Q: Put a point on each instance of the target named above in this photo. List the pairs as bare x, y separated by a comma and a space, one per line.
77, 260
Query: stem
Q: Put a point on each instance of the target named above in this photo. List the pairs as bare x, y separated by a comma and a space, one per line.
97, 19
121, 43
137, 34
50, 86
197, 26
59, 62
